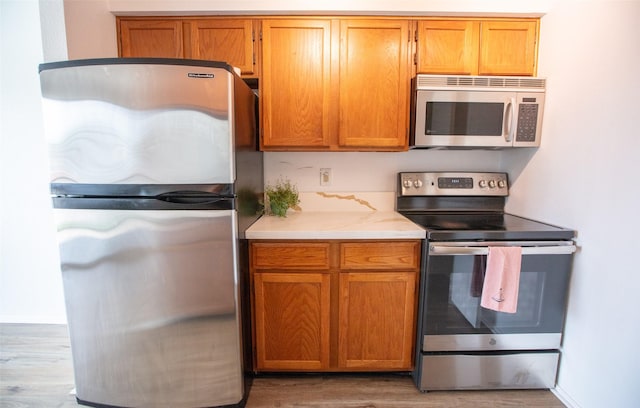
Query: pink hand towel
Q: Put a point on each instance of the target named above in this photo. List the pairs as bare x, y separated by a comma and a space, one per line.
502, 279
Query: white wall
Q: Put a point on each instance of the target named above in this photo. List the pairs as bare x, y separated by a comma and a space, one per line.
581, 177
585, 177
30, 282
90, 28
413, 7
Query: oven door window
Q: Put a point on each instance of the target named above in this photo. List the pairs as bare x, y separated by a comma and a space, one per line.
454, 288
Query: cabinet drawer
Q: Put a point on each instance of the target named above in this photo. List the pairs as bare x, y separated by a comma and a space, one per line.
290, 255
387, 255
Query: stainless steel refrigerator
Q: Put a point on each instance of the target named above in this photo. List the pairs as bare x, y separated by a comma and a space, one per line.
155, 175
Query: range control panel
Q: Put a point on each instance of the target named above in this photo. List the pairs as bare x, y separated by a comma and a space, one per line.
452, 184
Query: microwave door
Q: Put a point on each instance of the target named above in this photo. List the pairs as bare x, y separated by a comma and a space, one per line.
464, 119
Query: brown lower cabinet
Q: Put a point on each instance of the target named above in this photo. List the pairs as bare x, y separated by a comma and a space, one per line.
335, 305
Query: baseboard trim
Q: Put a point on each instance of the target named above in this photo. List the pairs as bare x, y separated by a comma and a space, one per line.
16, 319
564, 397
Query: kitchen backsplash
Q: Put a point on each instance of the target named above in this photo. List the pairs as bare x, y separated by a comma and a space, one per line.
370, 171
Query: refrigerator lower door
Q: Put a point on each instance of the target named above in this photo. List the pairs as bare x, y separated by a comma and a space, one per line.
152, 306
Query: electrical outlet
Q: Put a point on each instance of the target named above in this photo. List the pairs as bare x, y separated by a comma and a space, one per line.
325, 177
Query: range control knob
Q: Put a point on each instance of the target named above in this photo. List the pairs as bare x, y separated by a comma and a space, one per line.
482, 183
417, 183
492, 184
406, 183
502, 184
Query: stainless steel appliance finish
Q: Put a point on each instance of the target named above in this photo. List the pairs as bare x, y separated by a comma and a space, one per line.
155, 176
503, 371
139, 123
453, 184
482, 248
476, 111
461, 345
151, 306
485, 342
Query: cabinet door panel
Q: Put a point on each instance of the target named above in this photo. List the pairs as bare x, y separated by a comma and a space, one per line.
507, 48
448, 47
292, 321
374, 83
296, 83
151, 38
376, 320
225, 40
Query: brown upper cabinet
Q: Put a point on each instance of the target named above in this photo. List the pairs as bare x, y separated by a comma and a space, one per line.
335, 84
150, 38
375, 84
338, 83
230, 40
297, 92
478, 47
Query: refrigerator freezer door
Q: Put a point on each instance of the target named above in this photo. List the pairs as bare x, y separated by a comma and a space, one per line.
152, 306
138, 123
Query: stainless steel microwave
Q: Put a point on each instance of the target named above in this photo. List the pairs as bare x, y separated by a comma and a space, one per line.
477, 111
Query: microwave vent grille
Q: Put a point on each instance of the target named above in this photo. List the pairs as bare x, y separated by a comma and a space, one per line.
480, 82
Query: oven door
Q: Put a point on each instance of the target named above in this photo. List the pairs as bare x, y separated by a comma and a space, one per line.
453, 318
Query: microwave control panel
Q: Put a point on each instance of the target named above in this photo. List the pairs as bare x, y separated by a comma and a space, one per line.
527, 122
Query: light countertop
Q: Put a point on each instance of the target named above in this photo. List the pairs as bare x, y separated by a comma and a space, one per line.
336, 225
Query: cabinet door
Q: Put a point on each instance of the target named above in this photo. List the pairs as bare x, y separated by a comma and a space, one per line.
376, 320
227, 40
374, 84
377, 304
150, 38
447, 47
295, 88
508, 48
292, 325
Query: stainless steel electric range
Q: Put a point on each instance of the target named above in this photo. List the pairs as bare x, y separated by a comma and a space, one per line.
460, 344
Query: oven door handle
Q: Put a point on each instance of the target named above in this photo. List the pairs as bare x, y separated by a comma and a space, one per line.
447, 249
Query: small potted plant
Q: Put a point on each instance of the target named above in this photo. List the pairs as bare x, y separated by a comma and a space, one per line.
281, 196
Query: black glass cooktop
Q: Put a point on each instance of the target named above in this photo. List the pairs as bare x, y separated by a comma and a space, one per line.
486, 226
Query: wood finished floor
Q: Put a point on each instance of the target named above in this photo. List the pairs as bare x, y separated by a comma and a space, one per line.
36, 371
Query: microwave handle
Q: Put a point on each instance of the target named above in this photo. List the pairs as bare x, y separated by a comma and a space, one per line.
509, 119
